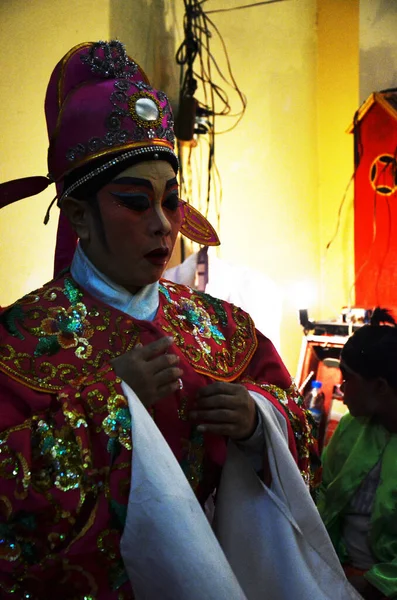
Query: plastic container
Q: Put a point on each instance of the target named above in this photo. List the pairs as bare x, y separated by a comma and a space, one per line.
314, 401
338, 410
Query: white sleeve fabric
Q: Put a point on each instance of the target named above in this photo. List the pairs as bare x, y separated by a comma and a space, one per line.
255, 446
274, 538
267, 549
168, 547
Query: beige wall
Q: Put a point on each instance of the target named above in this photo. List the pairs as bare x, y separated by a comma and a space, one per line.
35, 36
150, 29
280, 190
378, 46
337, 101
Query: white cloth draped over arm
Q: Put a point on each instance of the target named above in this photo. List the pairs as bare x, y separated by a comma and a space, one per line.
272, 542
168, 546
274, 539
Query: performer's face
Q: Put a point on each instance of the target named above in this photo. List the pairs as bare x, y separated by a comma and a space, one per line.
141, 217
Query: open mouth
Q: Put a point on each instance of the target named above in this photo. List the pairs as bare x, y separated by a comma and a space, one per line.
163, 251
159, 256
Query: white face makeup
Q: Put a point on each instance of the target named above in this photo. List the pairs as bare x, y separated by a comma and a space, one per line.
141, 217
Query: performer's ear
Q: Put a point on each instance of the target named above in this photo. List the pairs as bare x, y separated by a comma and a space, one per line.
77, 211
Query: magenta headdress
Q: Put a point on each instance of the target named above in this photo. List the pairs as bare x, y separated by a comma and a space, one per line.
101, 111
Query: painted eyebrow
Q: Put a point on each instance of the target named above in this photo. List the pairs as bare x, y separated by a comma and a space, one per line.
171, 182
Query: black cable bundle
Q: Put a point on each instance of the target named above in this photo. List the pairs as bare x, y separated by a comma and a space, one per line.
197, 119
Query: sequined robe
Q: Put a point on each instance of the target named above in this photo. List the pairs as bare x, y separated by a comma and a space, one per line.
65, 439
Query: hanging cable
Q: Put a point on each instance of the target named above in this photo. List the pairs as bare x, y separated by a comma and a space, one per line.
202, 100
331, 241
208, 93
374, 236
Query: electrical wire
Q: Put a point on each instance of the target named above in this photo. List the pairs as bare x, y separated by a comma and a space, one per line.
340, 213
358, 152
389, 226
374, 236
386, 252
198, 70
369, 252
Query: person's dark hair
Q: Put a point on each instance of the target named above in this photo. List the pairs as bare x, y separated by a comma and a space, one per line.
372, 350
88, 191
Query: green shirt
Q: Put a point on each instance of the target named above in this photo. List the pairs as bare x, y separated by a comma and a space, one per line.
355, 448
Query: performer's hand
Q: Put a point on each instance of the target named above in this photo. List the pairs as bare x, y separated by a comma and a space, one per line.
366, 590
225, 409
149, 371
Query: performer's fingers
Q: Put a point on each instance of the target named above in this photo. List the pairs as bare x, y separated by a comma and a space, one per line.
155, 348
217, 401
221, 416
169, 375
219, 387
164, 361
227, 429
169, 388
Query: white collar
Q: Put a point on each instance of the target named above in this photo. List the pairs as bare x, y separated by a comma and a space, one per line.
143, 305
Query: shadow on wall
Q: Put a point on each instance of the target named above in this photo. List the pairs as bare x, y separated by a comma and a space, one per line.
386, 8
378, 70
148, 29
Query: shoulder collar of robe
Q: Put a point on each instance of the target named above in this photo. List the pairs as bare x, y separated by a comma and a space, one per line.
59, 334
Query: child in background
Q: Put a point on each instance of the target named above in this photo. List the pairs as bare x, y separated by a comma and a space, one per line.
358, 495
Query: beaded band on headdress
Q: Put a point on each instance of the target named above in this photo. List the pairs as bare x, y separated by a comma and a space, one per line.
118, 159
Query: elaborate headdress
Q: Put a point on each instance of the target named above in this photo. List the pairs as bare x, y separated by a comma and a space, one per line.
102, 112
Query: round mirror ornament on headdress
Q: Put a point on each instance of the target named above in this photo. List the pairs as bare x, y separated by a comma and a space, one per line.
145, 109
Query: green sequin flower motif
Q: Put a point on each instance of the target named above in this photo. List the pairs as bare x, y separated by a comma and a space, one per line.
9, 318
218, 307
12, 534
200, 319
197, 318
61, 452
71, 291
65, 328
117, 425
